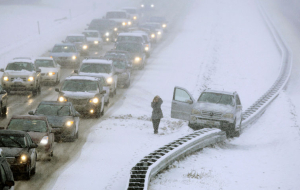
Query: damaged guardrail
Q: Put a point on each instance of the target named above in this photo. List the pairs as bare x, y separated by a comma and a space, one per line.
160, 159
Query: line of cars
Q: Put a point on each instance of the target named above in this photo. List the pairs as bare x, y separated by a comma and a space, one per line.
29, 138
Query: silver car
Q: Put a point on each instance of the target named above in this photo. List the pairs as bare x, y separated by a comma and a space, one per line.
66, 55
21, 75
94, 39
217, 109
80, 41
50, 71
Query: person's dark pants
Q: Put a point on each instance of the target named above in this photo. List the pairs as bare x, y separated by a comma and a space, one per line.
155, 125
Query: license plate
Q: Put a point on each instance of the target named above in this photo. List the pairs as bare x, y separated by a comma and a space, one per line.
209, 122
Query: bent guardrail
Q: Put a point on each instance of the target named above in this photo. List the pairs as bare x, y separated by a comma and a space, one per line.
158, 160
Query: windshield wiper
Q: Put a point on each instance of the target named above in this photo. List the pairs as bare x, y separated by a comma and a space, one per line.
59, 110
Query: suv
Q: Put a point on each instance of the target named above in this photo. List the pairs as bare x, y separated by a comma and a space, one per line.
121, 17
6, 176
213, 109
66, 54
100, 67
108, 28
80, 41
21, 75
86, 94
134, 13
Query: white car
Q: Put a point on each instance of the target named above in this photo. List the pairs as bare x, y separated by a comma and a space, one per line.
50, 71
94, 39
97, 67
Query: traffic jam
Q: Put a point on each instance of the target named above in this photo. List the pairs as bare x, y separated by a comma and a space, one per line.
131, 34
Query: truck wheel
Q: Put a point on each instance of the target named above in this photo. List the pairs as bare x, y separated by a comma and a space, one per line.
230, 132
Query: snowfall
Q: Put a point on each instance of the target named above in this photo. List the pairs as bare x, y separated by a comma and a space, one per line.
216, 44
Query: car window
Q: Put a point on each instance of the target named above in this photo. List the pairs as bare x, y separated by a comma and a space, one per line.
96, 68
44, 63
19, 66
13, 141
79, 86
66, 49
28, 125
53, 110
181, 95
132, 48
216, 98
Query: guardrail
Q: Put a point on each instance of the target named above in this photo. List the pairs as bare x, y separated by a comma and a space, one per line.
160, 159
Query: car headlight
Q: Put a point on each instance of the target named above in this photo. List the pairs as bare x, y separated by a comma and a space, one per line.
31, 79
152, 35
129, 23
107, 39
5, 78
164, 25
96, 42
84, 47
196, 112
152, 5
124, 23
146, 48
137, 59
62, 99
159, 33
107, 34
115, 29
94, 100
51, 73
142, 5
228, 115
134, 18
74, 57
69, 123
23, 158
109, 80
44, 140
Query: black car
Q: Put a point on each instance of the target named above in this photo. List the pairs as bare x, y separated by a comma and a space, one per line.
20, 151
118, 54
160, 19
6, 176
107, 28
62, 117
136, 51
3, 100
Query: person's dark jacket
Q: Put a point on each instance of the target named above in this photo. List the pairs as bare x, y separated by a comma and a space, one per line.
157, 113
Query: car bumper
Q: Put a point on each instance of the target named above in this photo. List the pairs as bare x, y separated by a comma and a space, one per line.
63, 132
89, 109
22, 86
47, 78
19, 168
199, 123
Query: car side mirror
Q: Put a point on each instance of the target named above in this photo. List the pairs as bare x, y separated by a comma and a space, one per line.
30, 113
9, 183
38, 70
103, 92
33, 145
189, 101
3, 92
76, 71
56, 89
2, 70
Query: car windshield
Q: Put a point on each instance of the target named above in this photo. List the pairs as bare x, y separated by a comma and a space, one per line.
66, 49
132, 48
131, 11
91, 34
12, 141
79, 86
19, 66
129, 38
95, 68
28, 125
120, 64
73, 39
216, 98
112, 15
44, 63
114, 56
53, 110
150, 26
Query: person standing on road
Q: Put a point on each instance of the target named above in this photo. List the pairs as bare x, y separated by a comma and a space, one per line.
156, 113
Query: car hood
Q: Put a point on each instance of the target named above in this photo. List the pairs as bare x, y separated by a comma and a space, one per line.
106, 75
12, 152
48, 69
59, 121
214, 107
21, 73
63, 54
36, 136
78, 95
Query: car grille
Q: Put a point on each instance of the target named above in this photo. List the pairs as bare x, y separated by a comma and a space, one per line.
10, 160
23, 78
17, 86
78, 101
212, 114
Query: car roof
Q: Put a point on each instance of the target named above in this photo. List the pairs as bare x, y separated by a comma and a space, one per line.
44, 58
64, 44
131, 34
219, 92
82, 35
21, 60
97, 61
13, 132
56, 103
30, 117
91, 31
82, 78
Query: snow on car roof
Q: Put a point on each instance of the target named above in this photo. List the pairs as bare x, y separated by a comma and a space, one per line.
56, 103
130, 34
219, 92
82, 35
82, 78
97, 61
29, 117
20, 60
44, 58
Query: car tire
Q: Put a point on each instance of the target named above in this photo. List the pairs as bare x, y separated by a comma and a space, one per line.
98, 113
230, 132
28, 172
77, 135
33, 171
3, 111
106, 103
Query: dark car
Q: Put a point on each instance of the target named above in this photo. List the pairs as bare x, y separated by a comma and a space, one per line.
80, 41
107, 28
3, 101
6, 176
20, 151
161, 20
66, 55
63, 118
123, 70
118, 54
136, 51
39, 130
